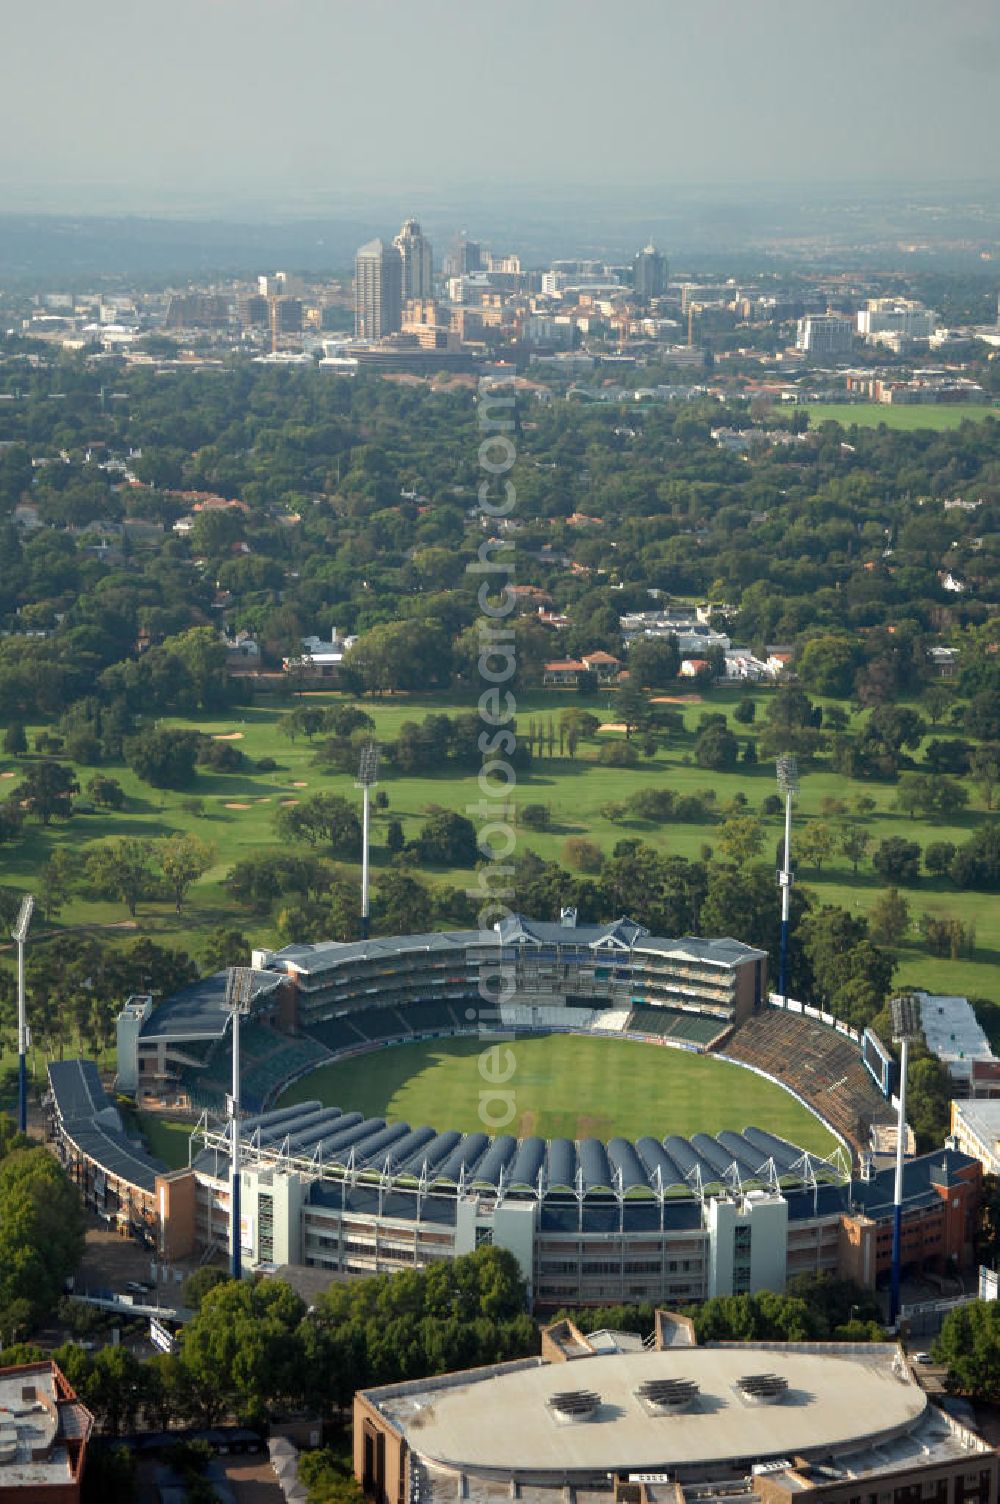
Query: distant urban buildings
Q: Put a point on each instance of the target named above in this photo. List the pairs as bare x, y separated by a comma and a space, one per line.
378, 290
824, 334
649, 273
418, 263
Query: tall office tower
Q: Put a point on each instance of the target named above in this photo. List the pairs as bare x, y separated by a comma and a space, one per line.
418, 261
378, 290
649, 267
465, 256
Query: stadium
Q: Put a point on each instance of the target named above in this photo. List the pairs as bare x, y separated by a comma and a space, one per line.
656, 1215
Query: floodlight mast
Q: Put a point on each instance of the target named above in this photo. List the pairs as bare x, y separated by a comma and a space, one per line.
906, 1025
788, 783
20, 935
366, 779
239, 987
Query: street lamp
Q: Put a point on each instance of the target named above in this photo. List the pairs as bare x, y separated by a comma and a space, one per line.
905, 1013
20, 934
239, 987
788, 783
366, 779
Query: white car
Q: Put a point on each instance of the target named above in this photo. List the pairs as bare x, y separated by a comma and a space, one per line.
921, 1357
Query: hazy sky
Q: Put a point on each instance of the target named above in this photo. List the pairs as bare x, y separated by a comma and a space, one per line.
151, 103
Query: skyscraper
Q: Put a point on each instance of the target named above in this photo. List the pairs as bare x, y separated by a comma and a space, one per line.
649, 267
418, 262
378, 290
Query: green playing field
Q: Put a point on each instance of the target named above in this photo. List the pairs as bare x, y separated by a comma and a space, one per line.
560, 1085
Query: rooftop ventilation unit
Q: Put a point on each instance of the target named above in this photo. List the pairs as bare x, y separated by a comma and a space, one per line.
574, 1404
667, 1396
763, 1388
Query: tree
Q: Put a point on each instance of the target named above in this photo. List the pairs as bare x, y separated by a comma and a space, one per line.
984, 764
826, 666
948, 755
816, 844
889, 917
105, 792
938, 857
582, 854
41, 1232
47, 790
240, 1352
854, 843
448, 839
969, 1343
224, 948
982, 715
121, 869
165, 759
395, 840
323, 820
745, 712
15, 743
402, 904
716, 748
633, 707
58, 878
937, 702
740, 839
653, 662
183, 859
897, 861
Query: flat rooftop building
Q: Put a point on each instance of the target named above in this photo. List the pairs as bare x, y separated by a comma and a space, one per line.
757, 1421
44, 1430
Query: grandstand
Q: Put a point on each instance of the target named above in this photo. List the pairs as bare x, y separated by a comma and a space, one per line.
268, 1061
819, 1063
676, 1025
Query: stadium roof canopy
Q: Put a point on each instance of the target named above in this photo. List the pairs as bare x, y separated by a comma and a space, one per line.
199, 1011
91, 1120
444, 1161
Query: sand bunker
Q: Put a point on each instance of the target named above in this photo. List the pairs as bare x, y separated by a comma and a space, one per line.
237, 806
287, 802
8, 775
612, 726
299, 785
678, 700
227, 736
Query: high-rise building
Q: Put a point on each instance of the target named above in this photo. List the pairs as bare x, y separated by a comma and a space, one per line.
378, 290
824, 334
649, 269
466, 255
418, 261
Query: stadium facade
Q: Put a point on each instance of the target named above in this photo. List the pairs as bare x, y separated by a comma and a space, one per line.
589, 1222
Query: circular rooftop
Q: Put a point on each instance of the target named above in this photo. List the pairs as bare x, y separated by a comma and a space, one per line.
834, 1403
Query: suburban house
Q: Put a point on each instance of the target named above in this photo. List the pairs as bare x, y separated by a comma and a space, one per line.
319, 659
567, 671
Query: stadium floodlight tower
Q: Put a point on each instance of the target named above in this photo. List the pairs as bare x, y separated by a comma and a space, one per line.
905, 1013
20, 935
366, 779
788, 783
239, 987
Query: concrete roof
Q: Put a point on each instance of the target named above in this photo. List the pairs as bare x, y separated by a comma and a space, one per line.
840, 1399
952, 1032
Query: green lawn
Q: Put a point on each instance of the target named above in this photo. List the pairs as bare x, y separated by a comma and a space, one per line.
574, 789
166, 1138
871, 414
562, 1085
